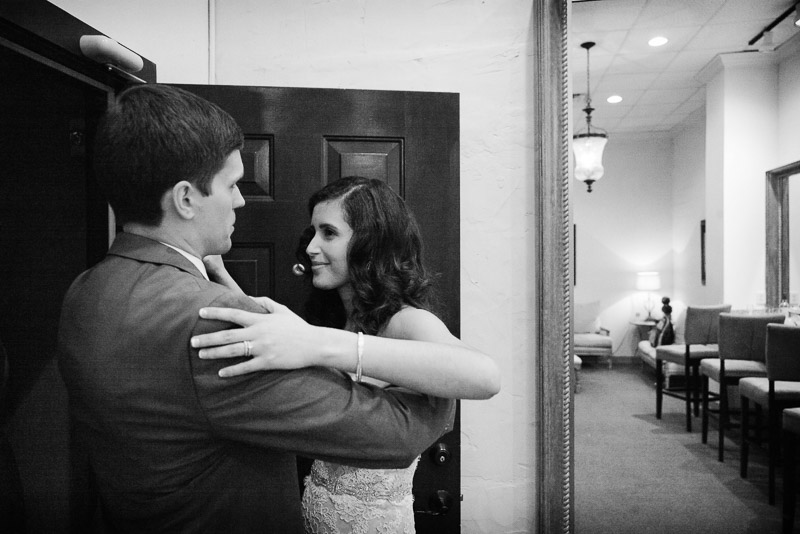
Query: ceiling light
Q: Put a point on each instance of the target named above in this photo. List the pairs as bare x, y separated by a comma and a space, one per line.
588, 143
797, 15
614, 99
658, 41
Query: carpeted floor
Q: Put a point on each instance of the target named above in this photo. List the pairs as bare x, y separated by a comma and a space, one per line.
637, 474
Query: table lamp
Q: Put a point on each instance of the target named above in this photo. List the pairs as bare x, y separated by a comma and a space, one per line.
648, 281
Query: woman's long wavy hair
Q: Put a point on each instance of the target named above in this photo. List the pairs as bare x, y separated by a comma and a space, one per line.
384, 257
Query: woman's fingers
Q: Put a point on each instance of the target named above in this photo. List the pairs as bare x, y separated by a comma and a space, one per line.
275, 308
239, 369
232, 337
270, 305
231, 315
233, 350
276, 340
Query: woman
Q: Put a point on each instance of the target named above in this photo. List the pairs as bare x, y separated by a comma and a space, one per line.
365, 255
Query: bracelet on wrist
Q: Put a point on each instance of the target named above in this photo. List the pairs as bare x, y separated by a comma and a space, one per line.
360, 354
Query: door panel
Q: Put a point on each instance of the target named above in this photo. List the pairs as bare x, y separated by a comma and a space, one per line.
297, 140
381, 159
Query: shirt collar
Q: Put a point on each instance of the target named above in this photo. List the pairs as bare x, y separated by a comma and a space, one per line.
194, 259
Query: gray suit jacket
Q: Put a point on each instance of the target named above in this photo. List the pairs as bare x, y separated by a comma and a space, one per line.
175, 448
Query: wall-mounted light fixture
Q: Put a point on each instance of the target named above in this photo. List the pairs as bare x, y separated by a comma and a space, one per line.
588, 143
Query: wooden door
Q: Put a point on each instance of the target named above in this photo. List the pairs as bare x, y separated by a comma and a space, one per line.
297, 140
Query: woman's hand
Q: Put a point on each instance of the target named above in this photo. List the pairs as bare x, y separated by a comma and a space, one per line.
214, 264
278, 340
219, 274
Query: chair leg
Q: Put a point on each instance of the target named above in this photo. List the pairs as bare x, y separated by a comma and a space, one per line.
774, 423
659, 388
696, 389
745, 446
789, 481
704, 433
688, 394
724, 417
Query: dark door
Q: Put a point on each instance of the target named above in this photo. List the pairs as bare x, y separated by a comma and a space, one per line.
299, 139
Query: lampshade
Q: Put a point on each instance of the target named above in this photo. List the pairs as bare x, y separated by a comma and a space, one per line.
588, 148
588, 144
648, 281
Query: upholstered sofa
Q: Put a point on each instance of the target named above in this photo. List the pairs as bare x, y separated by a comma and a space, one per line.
590, 338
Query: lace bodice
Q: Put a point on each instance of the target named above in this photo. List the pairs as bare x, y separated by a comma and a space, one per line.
341, 499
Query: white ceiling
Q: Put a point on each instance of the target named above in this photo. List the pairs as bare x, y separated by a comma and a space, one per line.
659, 86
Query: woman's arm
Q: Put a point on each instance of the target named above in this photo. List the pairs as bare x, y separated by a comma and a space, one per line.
443, 365
424, 357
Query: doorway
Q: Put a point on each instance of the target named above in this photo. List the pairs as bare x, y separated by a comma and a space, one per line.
54, 225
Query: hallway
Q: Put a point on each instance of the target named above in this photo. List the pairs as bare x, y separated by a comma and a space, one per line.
637, 474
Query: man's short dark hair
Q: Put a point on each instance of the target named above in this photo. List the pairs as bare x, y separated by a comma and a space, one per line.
153, 137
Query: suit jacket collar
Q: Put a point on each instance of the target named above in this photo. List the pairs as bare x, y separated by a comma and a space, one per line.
147, 250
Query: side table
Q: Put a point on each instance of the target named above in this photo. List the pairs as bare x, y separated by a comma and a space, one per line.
643, 327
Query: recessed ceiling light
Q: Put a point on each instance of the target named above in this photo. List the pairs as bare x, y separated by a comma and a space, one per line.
658, 41
614, 99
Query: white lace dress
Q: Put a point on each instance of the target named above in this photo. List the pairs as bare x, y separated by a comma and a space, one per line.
340, 499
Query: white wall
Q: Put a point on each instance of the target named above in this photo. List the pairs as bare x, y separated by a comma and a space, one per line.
714, 157
482, 50
743, 144
625, 226
751, 142
173, 34
789, 102
688, 209
789, 149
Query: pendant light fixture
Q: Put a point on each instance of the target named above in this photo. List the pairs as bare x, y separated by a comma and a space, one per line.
588, 143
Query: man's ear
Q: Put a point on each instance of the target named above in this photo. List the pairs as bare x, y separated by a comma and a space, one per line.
182, 199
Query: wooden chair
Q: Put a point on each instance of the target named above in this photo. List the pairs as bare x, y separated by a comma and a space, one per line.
779, 390
700, 336
742, 339
791, 444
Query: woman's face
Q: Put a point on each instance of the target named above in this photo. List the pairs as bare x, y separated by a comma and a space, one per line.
328, 248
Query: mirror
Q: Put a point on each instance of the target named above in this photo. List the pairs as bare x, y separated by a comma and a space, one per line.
777, 238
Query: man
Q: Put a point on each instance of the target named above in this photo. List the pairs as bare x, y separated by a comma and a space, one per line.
172, 446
